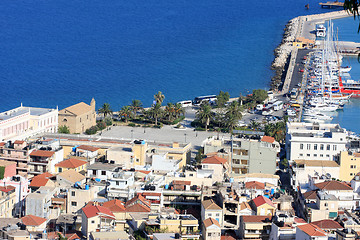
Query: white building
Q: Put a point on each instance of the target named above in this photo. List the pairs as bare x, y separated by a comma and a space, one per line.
120, 185
162, 163
313, 141
39, 202
102, 171
23, 122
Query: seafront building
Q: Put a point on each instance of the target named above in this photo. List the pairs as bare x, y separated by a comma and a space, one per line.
313, 141
23, 122
78, 117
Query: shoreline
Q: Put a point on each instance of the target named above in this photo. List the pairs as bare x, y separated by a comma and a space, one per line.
285, 50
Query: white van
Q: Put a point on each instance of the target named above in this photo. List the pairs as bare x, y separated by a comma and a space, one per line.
186, 103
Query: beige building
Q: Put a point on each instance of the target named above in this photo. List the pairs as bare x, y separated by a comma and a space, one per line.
255, 227
211, 229
7, 201
78, 117
209, 209
349, 165
263, 206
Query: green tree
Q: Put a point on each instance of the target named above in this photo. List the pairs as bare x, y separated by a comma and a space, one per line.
233, 115
159, 98
222, 98
136, 105
63, 129
170, 111
204, 114
285, 162
178, 110
126, 113
254, 125
155, 112
259, 95
105, 109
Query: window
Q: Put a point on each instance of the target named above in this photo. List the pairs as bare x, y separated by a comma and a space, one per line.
210, 215
103, 173
218, 214
92, 221
206, 166
80, 119
327, 155
315, 155
301, 154
74, 204
315, 146
191, 175
328, 147
73, 193
308, 146
351, 174
117, 183
60, 169
308, 155
321, 155
334, 147
321, 146
94, 172
301, 146
209, 234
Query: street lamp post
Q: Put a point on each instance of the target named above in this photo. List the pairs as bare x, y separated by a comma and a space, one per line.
132, 134
185, 136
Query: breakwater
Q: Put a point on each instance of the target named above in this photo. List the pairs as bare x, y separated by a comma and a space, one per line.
297, 27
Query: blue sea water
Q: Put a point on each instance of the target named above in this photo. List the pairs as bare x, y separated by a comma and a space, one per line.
57, 53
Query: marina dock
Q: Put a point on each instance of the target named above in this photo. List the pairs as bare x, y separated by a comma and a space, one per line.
334, 4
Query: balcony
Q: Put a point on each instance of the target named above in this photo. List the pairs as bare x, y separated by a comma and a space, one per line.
42, 163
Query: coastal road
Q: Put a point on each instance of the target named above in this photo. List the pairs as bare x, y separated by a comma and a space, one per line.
297, 74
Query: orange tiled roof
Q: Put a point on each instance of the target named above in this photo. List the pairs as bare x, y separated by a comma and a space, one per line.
210, 204
138, 207
42, 153
31, 220
18, 142
255, 218
71, 163
254, 185
260, 200
88, 148
7, 188
92, 211
310, 194
210, 221
214, 160
115, 205
333, 185
138, 198
312, 230
40, 180
268, 139
327, 224
244, 205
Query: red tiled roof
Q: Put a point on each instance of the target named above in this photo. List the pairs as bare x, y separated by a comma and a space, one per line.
6, 189
299, 220
138, 207
42, 153
255, 218
312, 230
40, 180
138, 198
150, 194
268, 139
214, 160
327, 224
143, 171
71, 163
179, 182
333, 185
210, 221
92, 211
2, 144
18, 142
260, 200
115, 205
254, 185
31, 220
88, 148
228, 237
310, 194
72, 236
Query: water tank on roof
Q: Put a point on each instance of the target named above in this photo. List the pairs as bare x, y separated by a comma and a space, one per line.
142, 141
231, 180
167, 186
272, 191
266, 196
86, 187
97, 180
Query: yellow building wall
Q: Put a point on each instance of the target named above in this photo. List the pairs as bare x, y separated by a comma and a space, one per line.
349, 166
266, 208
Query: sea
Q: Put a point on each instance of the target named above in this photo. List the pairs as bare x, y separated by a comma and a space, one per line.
55, 53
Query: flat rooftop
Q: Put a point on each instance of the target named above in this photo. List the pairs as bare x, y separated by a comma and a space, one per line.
22, 110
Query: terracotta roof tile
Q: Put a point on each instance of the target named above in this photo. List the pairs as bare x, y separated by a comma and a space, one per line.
42, 153
31, 220
268, 139
310, 194
312, 230
214, 160
92, 211
40, 180
7, 189
179, 182
71, 163
18, 142
327, 224
260, 200
244, 205
72, 176
254, 185
210, 204
138, 207
299, 220
333, 185
115, 205
77, 109
138, 199
210, 221
227, 237
88, 148
255, 218
317, 163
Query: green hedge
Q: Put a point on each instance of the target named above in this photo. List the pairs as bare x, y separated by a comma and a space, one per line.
2, 172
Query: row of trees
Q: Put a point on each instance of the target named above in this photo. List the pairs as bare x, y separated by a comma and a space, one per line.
135, 111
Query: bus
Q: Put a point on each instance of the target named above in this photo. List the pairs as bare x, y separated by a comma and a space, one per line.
186, 103
210, 98
278, 105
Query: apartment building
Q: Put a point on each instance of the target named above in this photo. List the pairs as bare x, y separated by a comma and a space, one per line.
17, 152
23, 122
7, 201
349, 164
121, 185
313, 141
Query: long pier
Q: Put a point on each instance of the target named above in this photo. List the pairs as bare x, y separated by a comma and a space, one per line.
334, 4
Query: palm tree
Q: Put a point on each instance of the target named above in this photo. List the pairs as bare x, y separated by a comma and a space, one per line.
204, 114
155, 112
159, 98
179, 110
233, 115
126, 113
254, 125
136, 105
105, 109
170, 111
